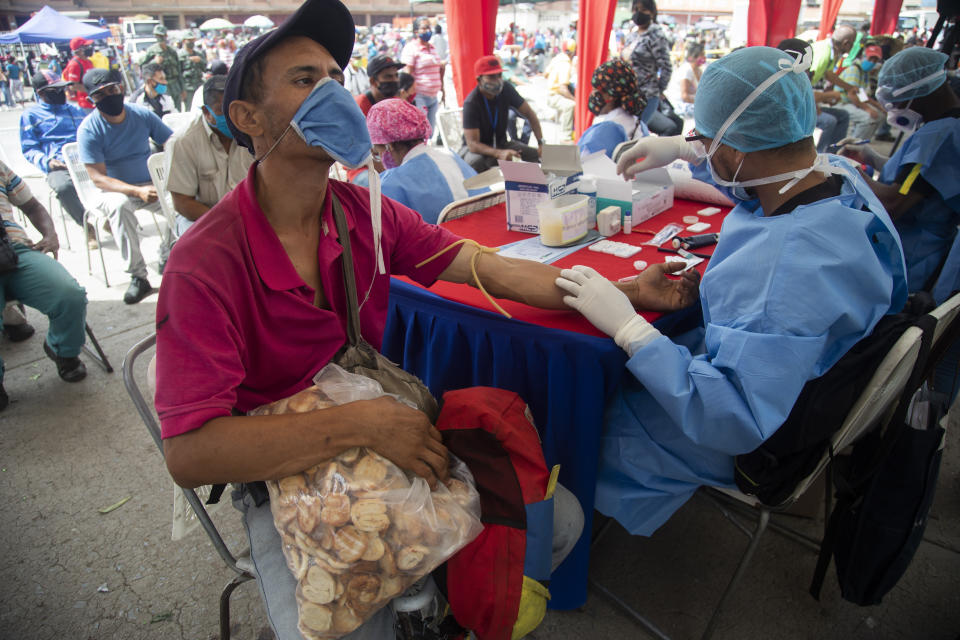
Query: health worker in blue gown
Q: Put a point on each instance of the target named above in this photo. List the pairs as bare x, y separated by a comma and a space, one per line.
807, 264
920, 183
418, 175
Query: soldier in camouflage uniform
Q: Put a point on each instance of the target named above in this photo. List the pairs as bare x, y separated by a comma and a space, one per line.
192, 65
166, 56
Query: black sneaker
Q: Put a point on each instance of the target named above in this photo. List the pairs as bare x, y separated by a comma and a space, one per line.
138, 290
4, 398
69, 369
18, 332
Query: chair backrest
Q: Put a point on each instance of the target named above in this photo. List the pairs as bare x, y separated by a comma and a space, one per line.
876, 404
86, 190
149, 418
460, 208
450, 122
157, 165
178, 120
946, 314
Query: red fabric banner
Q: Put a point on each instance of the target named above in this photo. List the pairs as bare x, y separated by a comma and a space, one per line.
885, 14
593, 46
770, 21
471, 29
828, 16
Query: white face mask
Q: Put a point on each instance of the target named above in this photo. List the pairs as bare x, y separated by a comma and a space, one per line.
905, 119
738, 187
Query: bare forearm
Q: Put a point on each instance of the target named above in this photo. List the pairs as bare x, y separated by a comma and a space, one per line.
39, 218
251, 448
189, 208
106, 183
523, 281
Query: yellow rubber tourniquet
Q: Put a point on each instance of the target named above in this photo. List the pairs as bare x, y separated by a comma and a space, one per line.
911, 177
473, 266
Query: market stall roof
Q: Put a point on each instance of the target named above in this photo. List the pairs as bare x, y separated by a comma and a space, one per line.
47, 25
216, 23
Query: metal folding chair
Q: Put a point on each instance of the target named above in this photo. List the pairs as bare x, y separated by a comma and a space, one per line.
241, 566
874, 408
460, 208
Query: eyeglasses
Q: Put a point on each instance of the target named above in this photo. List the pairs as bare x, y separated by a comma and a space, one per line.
692, 136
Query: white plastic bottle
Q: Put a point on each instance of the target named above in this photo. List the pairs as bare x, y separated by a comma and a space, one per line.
627, 223
588, 187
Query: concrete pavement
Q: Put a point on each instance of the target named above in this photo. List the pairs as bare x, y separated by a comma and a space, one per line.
68, 571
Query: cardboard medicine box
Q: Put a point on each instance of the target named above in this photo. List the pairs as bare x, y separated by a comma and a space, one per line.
650, 193
528, 184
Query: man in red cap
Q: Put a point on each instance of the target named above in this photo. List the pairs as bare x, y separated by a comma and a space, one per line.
485, 114
866, 113
73, 73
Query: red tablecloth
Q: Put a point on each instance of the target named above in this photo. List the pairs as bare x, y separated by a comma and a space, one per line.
489, 228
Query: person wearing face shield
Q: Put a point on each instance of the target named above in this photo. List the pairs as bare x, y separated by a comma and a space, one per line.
73, 73
918, 184
419, 175
252, 301
44, 130
806, 265
384, 83
486, 111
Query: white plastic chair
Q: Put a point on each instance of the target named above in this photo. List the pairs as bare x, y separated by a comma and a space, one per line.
157, 165
239, 563
874, 408
460, 208
89, 198
450, 123
178, 120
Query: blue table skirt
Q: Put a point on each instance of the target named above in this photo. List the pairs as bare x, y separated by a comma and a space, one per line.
565, 378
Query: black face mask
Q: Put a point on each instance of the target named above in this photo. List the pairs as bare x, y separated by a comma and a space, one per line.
641, 19
389, 89
54, 96
111, 105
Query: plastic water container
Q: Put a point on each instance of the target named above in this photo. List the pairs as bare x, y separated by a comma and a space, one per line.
563, 220
588, 187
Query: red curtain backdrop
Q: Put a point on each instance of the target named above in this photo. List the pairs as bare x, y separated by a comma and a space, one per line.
770, 21
593, 46
885, 14
471, 29
828, 15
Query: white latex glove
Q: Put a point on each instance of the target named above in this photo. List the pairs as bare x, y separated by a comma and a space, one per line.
862, 153
652, 152
606, 307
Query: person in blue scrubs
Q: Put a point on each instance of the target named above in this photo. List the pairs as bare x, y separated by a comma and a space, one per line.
807, 263
919, 183
421, 176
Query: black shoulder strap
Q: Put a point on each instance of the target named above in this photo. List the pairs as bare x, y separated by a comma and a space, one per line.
346, 262
370, 97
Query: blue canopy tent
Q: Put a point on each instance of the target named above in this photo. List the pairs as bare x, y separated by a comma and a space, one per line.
47, 25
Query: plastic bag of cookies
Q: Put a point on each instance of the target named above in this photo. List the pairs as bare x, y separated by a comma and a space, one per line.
357, 530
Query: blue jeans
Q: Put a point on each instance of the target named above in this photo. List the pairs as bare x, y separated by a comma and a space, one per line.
430, 104
41, 282
834, 123
652, 105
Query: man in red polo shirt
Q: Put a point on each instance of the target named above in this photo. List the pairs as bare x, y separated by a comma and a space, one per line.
73, 73
252, 303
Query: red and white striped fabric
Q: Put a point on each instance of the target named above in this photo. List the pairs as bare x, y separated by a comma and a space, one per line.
422, 57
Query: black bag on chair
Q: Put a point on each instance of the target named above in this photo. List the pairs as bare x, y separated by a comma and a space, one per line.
8, 257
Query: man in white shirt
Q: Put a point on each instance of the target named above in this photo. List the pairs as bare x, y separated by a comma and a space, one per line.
154, 95
205, 162
354, 76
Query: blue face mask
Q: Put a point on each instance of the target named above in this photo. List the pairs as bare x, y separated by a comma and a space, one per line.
867, 65
221, 123
330, 118
425, 37
160, 89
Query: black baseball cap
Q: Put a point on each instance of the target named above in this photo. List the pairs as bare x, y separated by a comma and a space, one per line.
217, 68
327, 22
380, 62
99, 78
47, 80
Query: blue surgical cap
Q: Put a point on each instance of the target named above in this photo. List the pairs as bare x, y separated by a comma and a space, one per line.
785, 112
917, 66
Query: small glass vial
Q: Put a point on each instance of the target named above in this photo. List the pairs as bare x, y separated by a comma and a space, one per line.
627, 223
